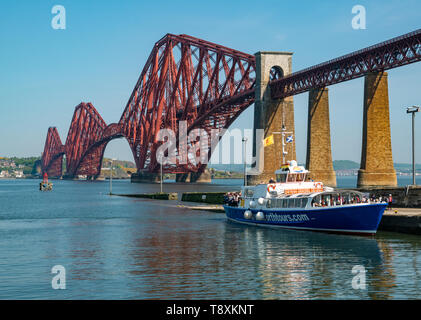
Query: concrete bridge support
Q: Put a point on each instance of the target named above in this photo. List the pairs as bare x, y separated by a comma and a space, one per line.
182, 177
319, 154
145, 177
270, 115
194, 177
376, 156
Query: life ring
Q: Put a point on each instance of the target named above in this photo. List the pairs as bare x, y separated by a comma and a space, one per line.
271, 187
318, 185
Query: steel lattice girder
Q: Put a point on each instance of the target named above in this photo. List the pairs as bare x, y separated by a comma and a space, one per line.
185, 79
53, 154
390, 54
85, 130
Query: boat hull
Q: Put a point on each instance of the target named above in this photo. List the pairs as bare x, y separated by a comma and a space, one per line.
354, 219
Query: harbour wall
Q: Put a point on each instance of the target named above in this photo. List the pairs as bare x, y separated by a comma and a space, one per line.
403, 197
401, 221
204, 197
155, 196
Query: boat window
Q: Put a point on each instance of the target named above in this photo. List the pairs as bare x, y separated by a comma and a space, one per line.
290, 203
291, 177
281, 178
339, 199
328, 200
298, 203
315, 202
249, 192
355, 198
300, 177
304, 202
335, 200
284, 203
346, 198
324, 200
269, 203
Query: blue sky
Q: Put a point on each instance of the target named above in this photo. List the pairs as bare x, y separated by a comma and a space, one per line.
45, 73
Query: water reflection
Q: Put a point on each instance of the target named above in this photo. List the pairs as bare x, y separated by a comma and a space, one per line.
301, 265
255, 263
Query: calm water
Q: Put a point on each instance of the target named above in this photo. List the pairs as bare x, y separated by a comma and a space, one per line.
124, 248
351, 181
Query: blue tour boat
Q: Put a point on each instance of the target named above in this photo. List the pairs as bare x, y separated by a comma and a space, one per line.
295, 202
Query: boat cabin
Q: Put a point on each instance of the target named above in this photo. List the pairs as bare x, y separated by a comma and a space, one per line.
315, 200
291, 172
343, 197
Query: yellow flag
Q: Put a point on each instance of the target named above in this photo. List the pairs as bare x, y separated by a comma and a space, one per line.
268, 141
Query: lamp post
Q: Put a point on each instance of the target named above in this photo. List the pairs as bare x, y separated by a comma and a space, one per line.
160, 158
111, 177
161, 174
244, 159
413, 110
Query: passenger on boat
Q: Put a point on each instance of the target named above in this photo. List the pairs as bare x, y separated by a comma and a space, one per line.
272, 180
232, 199
390, 202
226, 198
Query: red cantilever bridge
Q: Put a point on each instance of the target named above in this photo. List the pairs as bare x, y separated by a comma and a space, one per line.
206, 85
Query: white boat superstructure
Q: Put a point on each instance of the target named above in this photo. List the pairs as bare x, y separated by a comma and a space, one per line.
291, 180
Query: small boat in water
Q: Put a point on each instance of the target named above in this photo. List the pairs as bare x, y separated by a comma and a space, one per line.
295, 202
44, 185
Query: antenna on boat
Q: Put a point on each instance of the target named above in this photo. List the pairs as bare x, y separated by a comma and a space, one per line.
288, 140
244, 159
284, 153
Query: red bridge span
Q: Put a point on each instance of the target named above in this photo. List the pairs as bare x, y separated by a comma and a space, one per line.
208, 86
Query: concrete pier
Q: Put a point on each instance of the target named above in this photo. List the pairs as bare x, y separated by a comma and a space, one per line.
402, 220
145, 177
154, 196
319, 154
269, 114
194, 177
203, 177
376, 156
182, 177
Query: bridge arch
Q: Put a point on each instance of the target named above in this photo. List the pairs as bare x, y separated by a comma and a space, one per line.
276, 73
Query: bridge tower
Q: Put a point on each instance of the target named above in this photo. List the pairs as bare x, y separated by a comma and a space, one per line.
376, 156
271, 114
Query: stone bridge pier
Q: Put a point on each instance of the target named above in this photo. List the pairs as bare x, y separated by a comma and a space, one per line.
376, 155
271, 114
194, 177
319, 151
